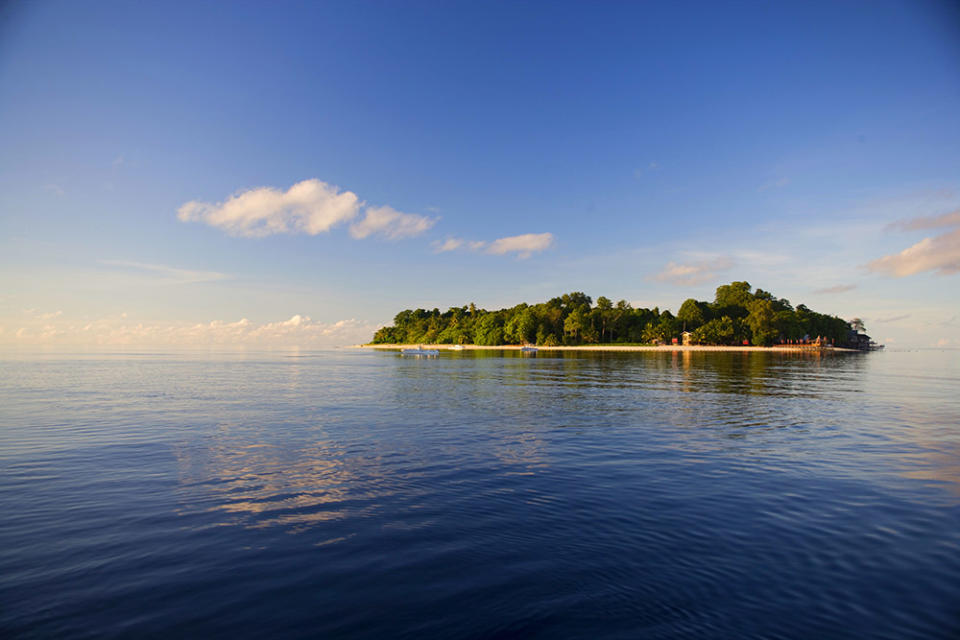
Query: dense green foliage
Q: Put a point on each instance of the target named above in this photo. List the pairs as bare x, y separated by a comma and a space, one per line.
736, 314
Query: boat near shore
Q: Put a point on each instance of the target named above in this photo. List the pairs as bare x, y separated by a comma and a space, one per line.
420, 352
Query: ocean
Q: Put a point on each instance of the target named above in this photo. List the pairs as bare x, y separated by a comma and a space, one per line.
480, 494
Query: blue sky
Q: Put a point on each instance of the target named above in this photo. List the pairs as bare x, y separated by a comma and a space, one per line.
641, 151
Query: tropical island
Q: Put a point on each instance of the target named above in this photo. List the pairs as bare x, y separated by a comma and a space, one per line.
738, 316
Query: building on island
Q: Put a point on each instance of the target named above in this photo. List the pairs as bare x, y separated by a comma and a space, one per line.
857, 340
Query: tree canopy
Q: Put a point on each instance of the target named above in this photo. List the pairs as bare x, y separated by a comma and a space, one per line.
737, 313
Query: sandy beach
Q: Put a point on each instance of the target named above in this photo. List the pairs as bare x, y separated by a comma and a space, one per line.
611, 347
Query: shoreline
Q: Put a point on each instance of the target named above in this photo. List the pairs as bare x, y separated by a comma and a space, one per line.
780, 348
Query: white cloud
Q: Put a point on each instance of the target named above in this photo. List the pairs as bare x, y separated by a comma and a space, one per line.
390, 223
944, 221
523, 245
165, 274
311, 207
840, 288
450, 244
939, 253
54, 189
693, 273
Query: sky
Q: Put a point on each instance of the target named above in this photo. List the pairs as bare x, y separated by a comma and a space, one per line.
294, 174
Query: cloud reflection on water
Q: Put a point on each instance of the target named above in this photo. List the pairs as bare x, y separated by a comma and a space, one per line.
429, 425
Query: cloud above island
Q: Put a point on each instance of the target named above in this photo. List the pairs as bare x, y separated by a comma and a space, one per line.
840, 288
939, 254
450, 244
391, 224
694, 273
524, 245
308, 207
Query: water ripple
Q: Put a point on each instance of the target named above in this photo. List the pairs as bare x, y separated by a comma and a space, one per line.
481, 495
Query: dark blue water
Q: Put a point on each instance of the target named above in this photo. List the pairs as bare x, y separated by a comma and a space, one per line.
362, 495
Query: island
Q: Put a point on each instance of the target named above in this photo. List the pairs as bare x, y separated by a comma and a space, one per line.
739, 317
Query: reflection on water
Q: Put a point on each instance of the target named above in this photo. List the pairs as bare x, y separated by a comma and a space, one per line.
481, 493
277, 486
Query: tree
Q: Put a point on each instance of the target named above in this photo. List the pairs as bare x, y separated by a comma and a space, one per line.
716, 331
668, 326
589, 334
665, 328
735, 314
573, 324
787, 325
551, 321
453, 334
521, 328
602, 315
620, 320
489, 330
651, 333
575, 299
857, 325
388, 335
690, 314
761, 322
760, 294
735, 294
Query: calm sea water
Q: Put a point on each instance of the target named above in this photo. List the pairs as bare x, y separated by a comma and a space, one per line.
363, 495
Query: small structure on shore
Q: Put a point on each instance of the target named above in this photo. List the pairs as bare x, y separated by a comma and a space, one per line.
858, 340
687, 338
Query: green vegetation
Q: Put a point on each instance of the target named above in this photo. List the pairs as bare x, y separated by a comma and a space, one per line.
736, 314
